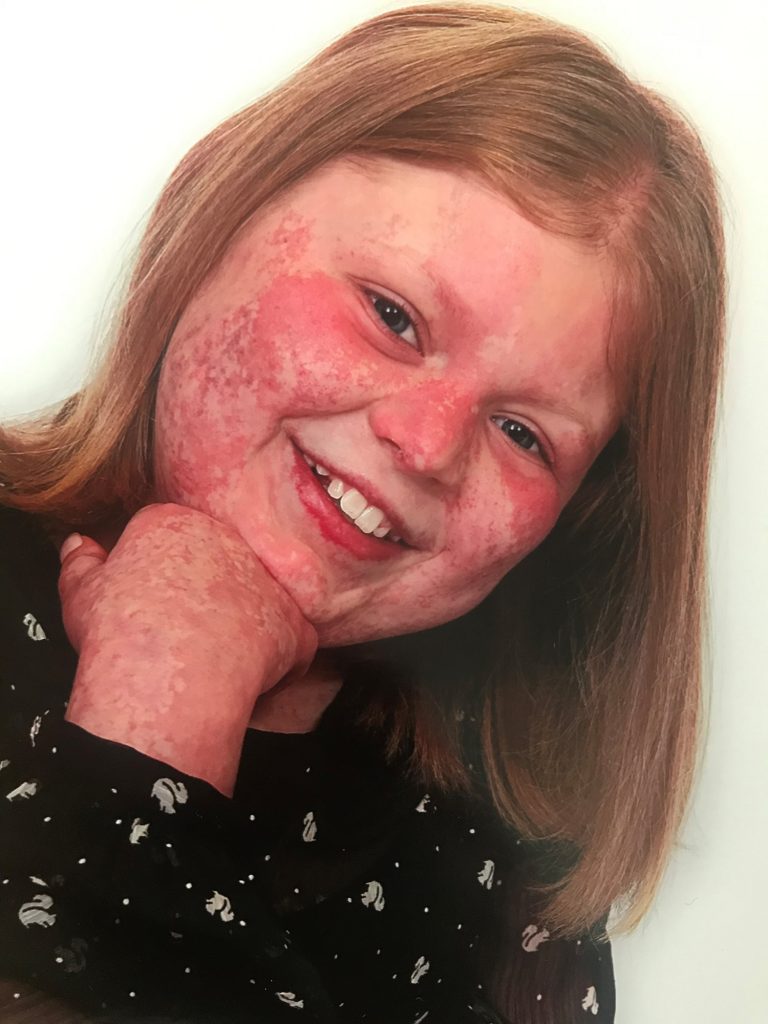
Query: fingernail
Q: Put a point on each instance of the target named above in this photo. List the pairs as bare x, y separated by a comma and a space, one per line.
74, 540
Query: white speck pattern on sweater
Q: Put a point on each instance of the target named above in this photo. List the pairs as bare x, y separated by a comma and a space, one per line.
332, 888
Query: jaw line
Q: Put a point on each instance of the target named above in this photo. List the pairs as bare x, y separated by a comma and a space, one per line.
363, 594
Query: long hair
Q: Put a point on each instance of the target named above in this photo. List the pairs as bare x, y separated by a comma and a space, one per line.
585, 664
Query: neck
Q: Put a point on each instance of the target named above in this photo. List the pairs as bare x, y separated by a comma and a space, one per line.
297, 703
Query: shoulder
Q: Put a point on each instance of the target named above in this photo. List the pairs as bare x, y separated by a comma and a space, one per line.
526, 973
542, 978
535, 975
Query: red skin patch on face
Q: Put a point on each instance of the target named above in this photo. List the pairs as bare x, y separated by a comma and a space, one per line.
291, 237
283, 346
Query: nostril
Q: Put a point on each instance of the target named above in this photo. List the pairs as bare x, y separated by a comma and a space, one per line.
393, 444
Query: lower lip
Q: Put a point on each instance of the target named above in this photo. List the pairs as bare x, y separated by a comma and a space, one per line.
332, 522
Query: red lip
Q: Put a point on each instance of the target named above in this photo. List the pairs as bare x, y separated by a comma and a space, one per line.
333, 525
374, 496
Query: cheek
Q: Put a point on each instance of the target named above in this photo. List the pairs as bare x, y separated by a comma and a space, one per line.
229, 379
297, 342
205, 422
503, 517
306, 345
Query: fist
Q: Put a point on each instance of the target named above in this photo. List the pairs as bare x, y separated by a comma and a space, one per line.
179, 629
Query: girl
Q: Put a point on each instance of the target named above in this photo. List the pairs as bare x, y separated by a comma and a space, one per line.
371, 681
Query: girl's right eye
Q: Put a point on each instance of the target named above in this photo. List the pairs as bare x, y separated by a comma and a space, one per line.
395, 317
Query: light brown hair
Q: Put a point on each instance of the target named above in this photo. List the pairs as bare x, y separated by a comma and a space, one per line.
585, 664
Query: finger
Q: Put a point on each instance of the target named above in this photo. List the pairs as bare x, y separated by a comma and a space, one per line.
83, 546
73, 541
80, 558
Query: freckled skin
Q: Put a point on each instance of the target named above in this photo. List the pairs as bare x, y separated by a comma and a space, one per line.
282, 345
179, 632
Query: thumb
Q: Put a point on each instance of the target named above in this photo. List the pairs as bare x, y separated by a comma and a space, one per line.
80, 551
81, 561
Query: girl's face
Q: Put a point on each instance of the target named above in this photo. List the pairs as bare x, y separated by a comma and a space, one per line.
388, 346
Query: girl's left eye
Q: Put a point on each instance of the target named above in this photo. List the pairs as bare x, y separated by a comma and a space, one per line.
395, 317
521, 435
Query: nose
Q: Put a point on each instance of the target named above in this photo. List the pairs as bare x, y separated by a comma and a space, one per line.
430, 429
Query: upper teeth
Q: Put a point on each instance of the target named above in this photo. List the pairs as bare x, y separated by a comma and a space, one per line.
366, 517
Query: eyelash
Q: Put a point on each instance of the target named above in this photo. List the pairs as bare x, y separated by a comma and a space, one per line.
415, 323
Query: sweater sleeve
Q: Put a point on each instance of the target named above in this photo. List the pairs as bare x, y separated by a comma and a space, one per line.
128, 887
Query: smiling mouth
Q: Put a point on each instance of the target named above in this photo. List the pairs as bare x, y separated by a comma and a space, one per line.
354, 506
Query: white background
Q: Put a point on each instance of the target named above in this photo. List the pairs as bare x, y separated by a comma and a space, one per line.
100, 103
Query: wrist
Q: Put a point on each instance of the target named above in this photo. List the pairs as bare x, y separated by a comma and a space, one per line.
188, 718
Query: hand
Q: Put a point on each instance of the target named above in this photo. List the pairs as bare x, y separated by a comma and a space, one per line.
179, 629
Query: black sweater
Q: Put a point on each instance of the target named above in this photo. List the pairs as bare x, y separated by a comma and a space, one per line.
331, 888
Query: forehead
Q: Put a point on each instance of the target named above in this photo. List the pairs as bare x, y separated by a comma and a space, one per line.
476, 249
379, 197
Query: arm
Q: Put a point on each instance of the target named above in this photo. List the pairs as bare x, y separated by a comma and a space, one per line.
180, 630
126, 876
119, 866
